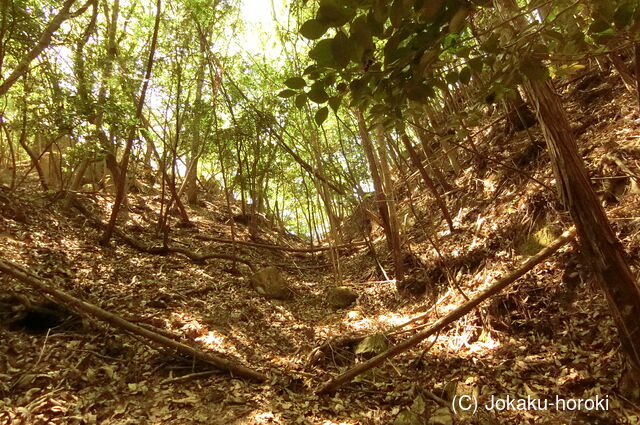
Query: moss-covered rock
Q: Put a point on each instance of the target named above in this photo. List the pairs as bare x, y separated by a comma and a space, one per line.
341, 297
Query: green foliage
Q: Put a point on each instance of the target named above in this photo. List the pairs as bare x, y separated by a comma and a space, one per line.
313, 29
321, 115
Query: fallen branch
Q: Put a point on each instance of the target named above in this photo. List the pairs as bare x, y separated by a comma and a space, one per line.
159, 250
281, 248
36, 282
456, 314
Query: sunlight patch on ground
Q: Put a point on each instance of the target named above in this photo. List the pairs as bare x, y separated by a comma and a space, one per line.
393, 319
213, 340
266, 418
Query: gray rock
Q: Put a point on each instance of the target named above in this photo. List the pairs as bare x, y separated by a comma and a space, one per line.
269, 283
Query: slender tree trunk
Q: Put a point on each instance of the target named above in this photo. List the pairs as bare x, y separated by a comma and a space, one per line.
393, 240
192, 172
121, 182
425, 176
599, 244
394, 223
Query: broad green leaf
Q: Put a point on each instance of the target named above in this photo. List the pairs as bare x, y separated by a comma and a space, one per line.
334, 14
287, 93
379, 110
376, 27
599, 26
334, 102
321, 115
318, 95
380, 11
341, 48
322, 53
301, 100
463, 51
360, 32
295, 83
372, 344
313, 29
432, 9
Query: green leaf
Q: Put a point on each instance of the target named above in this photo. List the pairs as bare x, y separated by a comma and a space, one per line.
379, 109
318, 95
301, 100
334, 102
599, 26
333, 14
376, 28
360, 32
313, 29
465, 75
420, 92
287, 93
476, 64
380, 11
295, 83
341, 49
322, 53
308, 70
372, 344
451, 77
321, 115
491, 44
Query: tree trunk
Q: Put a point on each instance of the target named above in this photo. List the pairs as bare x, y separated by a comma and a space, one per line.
389, 196
378, 186
192, 173
43, 43
425, 176
625, 75
600, 247
121, 181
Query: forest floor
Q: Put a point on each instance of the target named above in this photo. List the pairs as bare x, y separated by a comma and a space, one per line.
549, 335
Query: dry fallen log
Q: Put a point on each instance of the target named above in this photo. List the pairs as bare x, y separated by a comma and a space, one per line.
23, 275
332, 384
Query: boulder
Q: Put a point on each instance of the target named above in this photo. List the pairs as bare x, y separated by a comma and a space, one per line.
269, 283
341, 297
